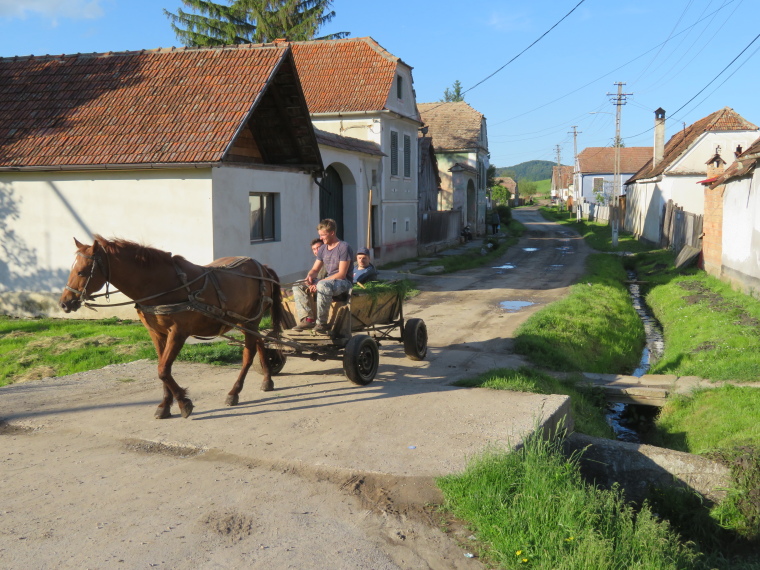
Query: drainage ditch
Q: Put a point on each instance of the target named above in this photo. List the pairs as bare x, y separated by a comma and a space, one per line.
629, 421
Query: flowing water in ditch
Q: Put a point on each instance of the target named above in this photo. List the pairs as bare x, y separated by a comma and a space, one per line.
618, 414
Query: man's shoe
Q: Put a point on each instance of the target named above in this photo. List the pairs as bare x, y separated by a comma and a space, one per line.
322, 328
305, 324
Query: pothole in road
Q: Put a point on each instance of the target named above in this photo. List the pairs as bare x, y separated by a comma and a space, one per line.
514, 306
173, 450
566, 248
15, 429
530, 249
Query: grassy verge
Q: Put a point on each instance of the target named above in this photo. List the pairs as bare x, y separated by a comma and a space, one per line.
710, 330
32, 349
530, 508
587, 406
498, 247
596, 235
593, 329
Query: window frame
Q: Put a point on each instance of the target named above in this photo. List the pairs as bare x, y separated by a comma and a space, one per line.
270, 215
394, 153
407, 156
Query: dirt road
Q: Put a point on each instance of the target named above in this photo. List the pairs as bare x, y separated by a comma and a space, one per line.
317, 474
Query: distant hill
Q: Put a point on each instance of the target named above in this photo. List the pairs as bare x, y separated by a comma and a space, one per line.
533, 170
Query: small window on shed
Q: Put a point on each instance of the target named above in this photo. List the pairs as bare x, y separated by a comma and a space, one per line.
399, 87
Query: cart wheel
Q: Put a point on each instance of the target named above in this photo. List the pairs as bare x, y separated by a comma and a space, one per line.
415, 339
275, 358
360, 359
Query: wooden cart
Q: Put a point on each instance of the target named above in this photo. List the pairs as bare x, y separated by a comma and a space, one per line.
359, 323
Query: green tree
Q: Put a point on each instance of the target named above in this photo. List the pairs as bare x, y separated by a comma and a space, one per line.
490, 176
454, 94
500, 194
250, 21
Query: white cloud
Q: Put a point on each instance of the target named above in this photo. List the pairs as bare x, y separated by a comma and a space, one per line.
508, 22
52, 9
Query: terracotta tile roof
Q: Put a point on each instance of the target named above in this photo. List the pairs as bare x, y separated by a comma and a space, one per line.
507, 182
724, 120
130, 108
348, 143
601, 159
744, 164
564, 176
351, 74
453, 126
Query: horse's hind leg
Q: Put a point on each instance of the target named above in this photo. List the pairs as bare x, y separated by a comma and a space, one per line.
249, 352
164, 409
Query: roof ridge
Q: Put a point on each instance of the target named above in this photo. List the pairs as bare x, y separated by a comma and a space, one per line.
53, 57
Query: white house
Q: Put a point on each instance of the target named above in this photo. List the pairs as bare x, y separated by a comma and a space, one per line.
355, 88
460, 139
674, 169
203, 152
595, 167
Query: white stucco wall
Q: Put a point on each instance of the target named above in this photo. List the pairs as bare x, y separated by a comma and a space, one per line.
703, 149
741, 233
43, 211
644, 202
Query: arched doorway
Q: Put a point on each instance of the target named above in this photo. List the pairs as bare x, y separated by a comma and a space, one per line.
472, 205
331, 199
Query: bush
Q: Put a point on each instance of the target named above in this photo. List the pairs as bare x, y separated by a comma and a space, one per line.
505, 213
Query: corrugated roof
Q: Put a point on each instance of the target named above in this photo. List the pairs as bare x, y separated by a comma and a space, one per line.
346, 75
452, 126
744, 164
725, 119
131, 108
601, 159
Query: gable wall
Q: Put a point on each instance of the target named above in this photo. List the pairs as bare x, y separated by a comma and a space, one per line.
741, 234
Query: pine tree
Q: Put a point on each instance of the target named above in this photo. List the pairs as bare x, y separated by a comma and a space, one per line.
454, 94
250, 21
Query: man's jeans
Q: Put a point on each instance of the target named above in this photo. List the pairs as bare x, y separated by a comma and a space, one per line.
326, 290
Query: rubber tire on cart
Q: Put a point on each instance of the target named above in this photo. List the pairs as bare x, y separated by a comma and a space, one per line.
361, 359
415, 339
275, 358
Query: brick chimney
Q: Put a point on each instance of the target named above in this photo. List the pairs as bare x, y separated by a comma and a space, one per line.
716, 165
659, 136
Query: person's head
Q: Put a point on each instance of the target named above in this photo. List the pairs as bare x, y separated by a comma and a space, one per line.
362, 257
316, 243
326, 230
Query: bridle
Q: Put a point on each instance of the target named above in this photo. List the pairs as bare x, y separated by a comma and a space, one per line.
106, 271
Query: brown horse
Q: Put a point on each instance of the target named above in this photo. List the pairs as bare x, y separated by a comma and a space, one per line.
176, 299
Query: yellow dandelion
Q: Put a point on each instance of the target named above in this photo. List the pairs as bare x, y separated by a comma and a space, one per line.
570, 539
524, 559
518, 553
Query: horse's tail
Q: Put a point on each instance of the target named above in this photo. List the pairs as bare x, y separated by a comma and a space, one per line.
276, 310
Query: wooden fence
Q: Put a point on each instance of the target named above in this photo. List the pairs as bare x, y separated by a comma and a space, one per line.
680, 228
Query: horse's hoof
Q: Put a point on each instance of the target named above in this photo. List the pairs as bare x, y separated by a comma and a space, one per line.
267, 386
186, 408
162, 413
232, 400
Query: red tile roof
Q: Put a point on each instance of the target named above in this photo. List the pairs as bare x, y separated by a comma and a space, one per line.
452, 126
347, 75
601, 159
562, 176
159, 106
724, 120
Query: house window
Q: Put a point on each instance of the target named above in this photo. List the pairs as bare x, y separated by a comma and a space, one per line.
262, 215
393, 226
406, 224
399, 87
394, 153
407, 156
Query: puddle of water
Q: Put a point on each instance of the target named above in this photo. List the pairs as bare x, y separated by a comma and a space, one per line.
514, 306
615, 417
566, 248
530, 249
505, 266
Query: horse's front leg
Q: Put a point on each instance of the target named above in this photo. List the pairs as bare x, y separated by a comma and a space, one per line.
164, 409
252, 347
174, 343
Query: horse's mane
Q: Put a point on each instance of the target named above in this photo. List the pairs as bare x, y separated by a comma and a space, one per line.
145, 255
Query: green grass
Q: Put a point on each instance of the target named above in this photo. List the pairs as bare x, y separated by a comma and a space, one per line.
593, 329
39, 348
587, 407
596, 235
530, 508
710, 330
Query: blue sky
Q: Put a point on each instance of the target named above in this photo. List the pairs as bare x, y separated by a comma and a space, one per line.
666, 51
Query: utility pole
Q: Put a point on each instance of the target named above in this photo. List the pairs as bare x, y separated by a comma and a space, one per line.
619, 99
558, 178
576, 186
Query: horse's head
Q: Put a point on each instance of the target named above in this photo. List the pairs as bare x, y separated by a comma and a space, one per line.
88, 274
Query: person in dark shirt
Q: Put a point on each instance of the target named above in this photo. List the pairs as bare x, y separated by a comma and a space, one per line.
364, 271
337, 258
